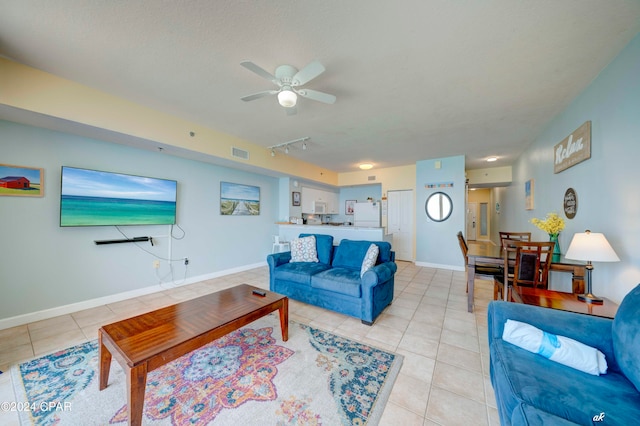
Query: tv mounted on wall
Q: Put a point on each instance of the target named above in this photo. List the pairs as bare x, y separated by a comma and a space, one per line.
97, 198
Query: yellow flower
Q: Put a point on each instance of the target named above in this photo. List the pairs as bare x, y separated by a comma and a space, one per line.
553, 224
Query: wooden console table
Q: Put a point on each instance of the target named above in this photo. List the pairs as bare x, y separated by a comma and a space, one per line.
564, 302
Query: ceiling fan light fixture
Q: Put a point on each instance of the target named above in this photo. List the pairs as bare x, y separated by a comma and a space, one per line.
287, 98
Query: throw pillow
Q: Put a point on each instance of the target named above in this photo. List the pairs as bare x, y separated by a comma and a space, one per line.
560, 349
304, 250
370, 258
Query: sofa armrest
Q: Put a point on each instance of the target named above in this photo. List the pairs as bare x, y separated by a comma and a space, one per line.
588, 329
379, 274
276, 259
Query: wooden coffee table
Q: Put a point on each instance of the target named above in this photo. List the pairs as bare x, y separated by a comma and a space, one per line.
148, 341
564, 302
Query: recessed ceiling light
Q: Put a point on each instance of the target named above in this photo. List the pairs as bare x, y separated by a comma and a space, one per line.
492, 159
366, 166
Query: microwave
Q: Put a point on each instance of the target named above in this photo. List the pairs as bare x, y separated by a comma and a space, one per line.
319, 207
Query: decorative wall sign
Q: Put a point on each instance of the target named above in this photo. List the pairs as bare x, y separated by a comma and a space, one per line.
570, 203
21, 181
295, 198
574, 149
528, 194
438, 185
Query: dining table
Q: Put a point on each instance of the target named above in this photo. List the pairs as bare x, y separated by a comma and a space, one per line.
490, 254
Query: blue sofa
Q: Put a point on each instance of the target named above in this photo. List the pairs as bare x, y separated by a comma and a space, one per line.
334, 281
532, 390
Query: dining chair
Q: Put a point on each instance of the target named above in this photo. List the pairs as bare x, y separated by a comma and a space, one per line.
531, 267
483, 271
514, 236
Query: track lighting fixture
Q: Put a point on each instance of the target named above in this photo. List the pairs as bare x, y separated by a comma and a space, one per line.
285, 145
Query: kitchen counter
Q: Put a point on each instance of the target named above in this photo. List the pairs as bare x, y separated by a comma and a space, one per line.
288, 232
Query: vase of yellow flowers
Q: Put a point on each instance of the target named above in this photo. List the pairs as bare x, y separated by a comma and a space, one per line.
552, 225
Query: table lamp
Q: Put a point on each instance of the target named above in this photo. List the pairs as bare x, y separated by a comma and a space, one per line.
590, 247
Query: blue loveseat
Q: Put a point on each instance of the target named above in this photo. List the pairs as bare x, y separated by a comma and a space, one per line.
533, 390
334, 281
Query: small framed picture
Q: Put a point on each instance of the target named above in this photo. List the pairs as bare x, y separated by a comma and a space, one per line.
295, 198
528, 194
21, 181
348, 206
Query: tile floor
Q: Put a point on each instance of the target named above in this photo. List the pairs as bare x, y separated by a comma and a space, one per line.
444, 378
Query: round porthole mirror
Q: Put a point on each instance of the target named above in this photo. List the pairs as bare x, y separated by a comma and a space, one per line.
438, 206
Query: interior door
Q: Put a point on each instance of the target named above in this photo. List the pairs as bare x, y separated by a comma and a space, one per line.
472, 215
400, 222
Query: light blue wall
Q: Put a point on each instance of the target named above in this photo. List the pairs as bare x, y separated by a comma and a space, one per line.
606, 184
436, 243
45, 266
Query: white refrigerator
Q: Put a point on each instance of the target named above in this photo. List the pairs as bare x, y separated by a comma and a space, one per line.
367, 214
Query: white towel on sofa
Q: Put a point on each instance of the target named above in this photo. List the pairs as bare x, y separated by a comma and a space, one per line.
560, 349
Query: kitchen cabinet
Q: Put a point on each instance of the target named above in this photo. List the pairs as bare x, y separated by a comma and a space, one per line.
311, 195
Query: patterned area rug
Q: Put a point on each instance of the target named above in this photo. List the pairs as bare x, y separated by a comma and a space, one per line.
249, 377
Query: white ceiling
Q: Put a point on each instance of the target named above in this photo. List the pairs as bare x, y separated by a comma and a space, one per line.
414, 79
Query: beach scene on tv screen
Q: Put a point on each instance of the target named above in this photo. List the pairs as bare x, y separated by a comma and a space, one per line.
97, 198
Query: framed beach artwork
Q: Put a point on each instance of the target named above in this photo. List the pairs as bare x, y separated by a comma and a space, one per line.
21, 181
528, 194
239, 200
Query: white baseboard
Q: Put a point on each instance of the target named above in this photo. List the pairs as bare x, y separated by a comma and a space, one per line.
441, 266
93, 303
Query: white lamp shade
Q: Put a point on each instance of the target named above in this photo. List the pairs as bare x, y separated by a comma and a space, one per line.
591, 246
287, 98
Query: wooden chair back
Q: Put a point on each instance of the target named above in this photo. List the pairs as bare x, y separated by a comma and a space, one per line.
531, 267
463, 246
514, 236
533, 260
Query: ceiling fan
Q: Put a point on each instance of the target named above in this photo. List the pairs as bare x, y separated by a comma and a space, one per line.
290, 81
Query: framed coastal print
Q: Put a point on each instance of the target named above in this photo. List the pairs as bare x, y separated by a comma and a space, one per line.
239, 200
21, 181
528, 194
295, 198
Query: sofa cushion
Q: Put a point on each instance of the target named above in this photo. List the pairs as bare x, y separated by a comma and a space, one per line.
520, 377
299, 272
370, 258
339, 280
304, 249
324, 247
626, 336
350, 253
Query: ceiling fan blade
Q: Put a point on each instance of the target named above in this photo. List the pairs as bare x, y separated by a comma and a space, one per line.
259, 95
307, 74
260, 71
317, 96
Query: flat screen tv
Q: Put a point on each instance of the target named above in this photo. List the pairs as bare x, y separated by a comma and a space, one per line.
97, 198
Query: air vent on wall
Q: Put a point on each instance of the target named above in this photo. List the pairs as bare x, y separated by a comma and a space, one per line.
371, 178
239, 153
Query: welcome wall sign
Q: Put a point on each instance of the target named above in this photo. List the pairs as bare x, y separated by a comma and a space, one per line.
574, 149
